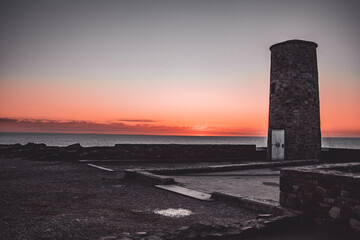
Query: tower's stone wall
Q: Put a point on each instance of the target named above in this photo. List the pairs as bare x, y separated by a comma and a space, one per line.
294, 98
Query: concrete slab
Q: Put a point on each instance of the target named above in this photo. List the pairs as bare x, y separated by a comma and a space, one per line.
255, 180
150, 177
187, 192
255, 183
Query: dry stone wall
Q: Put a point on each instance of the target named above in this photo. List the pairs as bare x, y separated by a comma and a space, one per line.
330, 193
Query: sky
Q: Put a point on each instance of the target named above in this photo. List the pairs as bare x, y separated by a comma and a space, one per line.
190, 67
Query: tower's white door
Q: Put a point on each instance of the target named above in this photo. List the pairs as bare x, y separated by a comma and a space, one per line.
277, 144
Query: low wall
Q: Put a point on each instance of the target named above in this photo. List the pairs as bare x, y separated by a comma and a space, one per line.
330, 193
208, 152
181, 151
332, 155
134, 151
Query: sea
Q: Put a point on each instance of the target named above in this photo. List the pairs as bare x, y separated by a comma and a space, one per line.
91, 140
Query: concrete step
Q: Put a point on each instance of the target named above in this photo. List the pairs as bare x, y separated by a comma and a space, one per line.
186, 191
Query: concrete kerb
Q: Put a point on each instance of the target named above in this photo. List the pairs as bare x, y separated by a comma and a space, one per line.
149, 177
249, 203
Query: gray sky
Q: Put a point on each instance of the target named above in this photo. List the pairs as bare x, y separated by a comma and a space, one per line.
186, 38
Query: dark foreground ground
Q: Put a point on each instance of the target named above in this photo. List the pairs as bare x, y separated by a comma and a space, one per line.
70, 200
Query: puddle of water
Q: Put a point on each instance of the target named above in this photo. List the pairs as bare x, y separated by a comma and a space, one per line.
172, 212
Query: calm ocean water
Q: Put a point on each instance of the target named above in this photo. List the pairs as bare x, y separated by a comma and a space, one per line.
88, 140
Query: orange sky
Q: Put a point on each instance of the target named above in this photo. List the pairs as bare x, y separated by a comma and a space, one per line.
191, 109
339, 106
187, 109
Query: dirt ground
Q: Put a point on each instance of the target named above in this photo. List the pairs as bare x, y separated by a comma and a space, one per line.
59, 200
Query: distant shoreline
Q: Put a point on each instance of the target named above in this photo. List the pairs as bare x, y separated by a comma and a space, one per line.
157, 135
115, 134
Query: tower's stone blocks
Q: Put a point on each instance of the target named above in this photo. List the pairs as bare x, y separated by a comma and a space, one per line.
294, 113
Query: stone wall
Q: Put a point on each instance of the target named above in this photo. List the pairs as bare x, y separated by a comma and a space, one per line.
339, 155
330, 193
149, 152
294, 99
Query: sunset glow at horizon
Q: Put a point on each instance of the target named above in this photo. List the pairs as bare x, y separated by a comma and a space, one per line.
195, 68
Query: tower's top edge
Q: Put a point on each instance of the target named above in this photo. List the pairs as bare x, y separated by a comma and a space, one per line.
293, 42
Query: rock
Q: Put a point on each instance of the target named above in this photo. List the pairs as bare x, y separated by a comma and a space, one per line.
248, 229
108, 238
264, 215
190, 235
308, 196
163, 235
125, 236
329, 200
34, 145
318, 221
74, 146
153, 238
182, 228
334, 212
355, 224
357, 209
215, 235
320, 189
344, 193
324, 205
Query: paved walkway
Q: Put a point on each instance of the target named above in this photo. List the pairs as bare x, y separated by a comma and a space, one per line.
254, 183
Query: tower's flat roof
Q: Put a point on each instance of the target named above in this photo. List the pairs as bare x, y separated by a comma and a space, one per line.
293, 41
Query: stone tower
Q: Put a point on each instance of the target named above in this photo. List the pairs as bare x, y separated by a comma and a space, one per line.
294, 114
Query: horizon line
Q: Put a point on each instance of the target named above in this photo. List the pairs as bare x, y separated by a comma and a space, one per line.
162, 135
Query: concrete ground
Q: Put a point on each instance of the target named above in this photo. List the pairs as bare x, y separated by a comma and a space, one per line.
260, 184
254, 183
